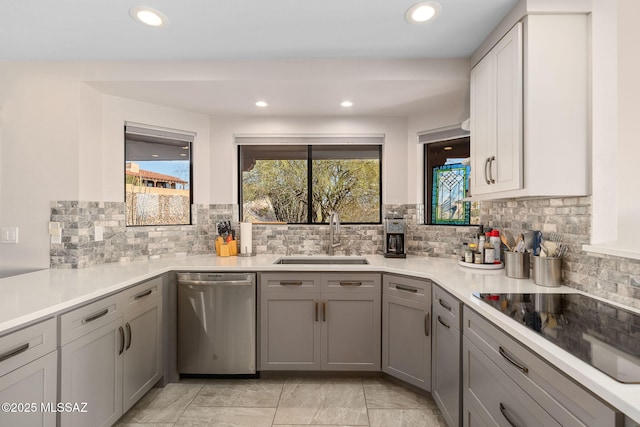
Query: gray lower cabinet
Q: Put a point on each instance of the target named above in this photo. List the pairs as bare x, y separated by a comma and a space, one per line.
110, 354
142, 357
406, 329
28, 376
320, 321
446, 355
505, 384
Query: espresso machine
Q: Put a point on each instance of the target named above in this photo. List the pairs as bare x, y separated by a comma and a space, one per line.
394, 237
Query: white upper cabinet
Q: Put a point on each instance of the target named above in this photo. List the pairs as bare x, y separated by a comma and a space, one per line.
530, 111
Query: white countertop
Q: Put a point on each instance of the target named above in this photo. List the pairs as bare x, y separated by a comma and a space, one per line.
31, 297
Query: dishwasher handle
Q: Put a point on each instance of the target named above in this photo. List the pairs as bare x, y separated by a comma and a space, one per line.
216, 282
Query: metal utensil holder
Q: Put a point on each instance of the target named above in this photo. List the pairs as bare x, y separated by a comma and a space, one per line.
517, 264
547, 271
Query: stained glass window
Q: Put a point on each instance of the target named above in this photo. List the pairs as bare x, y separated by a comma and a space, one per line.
449, 188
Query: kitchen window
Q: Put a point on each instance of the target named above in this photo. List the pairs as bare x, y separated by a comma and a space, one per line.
446, 178
303, 183
157, 176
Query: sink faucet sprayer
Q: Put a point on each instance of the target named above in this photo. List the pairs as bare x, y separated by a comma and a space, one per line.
334, 230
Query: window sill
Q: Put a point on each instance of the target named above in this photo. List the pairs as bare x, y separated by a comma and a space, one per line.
615, 249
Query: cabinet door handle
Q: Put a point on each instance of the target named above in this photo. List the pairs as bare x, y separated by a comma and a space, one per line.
316, 303
14, 352
427, 323
493, 181
442, 323
503, 410
128, 326
486, 174
121, 340
444, 304
504, 354
96, 316
290, 283
350, 283
143, 294
407, 288
324, 311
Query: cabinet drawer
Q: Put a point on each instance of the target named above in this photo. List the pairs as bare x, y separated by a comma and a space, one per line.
290, 282
565, 400
486, 386
447, 308
141, 294
352, 282
83, 320
407, 288
22, 346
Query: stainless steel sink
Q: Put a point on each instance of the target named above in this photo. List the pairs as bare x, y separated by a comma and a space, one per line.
322, 260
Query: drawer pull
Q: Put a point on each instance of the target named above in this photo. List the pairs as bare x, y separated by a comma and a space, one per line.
427, 323
121, 340
143, 294
442, 323
407, 288
290, 283
444, 304
503, 410
16, 351
96, 316
324, 311
504, 354
350, 283
316, 302
128, 326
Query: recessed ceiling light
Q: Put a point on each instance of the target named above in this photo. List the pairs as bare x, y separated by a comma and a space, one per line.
183, 155
346, 104
423, 12
261, 104
148, 16
448, 148
186, 147
154, 155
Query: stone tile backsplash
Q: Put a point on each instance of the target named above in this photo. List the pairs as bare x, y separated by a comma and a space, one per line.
611, 277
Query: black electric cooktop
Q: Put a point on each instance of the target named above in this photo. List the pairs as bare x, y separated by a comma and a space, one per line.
605, 336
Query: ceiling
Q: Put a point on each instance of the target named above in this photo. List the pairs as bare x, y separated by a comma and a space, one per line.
251, 30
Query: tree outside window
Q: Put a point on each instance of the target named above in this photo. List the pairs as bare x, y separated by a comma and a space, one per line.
303, 184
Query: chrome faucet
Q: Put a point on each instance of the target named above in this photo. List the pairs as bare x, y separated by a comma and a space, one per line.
334, 230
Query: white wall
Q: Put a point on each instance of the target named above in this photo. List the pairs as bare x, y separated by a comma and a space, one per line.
40, 127
224, 168
118, 110
445, 115
628, 145
604, 121
62, 140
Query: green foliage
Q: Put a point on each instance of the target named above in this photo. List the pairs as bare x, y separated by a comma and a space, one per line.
349, 187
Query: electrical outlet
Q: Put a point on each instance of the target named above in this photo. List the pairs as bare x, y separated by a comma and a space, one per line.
9, 235
99, 233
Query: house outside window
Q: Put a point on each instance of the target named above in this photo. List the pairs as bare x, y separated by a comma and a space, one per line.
158, 176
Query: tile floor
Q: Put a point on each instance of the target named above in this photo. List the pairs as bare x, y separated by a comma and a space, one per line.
284, 401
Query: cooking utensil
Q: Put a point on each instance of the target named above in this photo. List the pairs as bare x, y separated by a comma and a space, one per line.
503, 238
509, 237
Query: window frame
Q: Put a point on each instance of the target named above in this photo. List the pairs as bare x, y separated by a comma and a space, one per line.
309, 161
190, 139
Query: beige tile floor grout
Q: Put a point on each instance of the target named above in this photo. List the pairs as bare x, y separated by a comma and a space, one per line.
285, 401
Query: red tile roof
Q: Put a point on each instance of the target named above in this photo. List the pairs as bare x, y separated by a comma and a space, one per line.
154, 176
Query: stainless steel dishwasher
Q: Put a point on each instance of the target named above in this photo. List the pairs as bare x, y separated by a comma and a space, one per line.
217, 323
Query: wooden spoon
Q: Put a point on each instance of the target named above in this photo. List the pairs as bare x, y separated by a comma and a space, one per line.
504, 241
